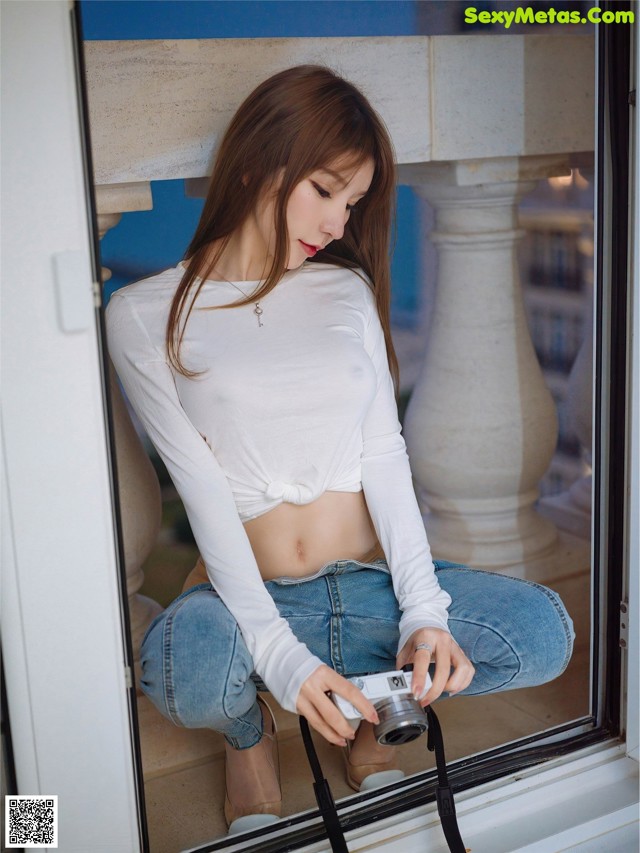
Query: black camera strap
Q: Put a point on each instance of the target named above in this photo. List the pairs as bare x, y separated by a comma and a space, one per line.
444, 794
324, 797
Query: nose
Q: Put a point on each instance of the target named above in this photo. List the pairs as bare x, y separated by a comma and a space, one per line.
335, 222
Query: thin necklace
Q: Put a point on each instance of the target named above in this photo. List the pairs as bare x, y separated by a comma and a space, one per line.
257, 309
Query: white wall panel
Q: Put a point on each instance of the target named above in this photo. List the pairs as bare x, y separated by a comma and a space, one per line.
61, 624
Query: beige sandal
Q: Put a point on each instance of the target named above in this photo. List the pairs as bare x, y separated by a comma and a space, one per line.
269, 744
357, 773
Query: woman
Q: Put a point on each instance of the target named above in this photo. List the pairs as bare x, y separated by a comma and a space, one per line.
261, 369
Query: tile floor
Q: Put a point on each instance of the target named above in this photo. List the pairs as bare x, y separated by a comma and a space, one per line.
184, 806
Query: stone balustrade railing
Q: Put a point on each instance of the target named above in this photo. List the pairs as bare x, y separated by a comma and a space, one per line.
475, 121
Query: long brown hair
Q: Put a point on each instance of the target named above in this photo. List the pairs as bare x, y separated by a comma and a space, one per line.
302, 119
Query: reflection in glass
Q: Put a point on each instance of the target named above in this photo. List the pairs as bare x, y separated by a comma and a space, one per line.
555, 273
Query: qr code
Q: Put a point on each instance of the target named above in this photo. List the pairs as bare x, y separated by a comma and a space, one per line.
31, 821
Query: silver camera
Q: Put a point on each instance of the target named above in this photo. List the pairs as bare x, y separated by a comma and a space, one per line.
402, 718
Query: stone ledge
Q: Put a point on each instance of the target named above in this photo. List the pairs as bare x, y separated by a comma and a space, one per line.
158, 107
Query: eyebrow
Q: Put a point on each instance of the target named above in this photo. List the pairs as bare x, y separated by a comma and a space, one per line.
340, 180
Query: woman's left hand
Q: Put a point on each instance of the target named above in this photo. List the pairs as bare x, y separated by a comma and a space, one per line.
454, 670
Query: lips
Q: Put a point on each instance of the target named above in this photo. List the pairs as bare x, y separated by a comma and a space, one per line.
309, 249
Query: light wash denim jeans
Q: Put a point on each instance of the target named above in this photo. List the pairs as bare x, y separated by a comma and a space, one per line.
198, 672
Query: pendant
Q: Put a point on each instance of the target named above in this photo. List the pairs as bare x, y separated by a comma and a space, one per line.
258, 311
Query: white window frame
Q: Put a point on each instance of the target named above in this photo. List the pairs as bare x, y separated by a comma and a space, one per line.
60, 619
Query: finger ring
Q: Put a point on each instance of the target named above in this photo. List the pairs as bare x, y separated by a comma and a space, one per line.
424, 646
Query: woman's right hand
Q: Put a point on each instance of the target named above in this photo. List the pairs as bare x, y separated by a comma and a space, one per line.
321, 713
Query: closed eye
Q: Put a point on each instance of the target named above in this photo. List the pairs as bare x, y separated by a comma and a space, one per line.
323, 193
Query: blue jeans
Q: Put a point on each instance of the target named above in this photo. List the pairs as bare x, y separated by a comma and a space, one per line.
198, 672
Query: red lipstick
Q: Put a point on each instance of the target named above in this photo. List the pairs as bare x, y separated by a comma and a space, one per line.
309, 249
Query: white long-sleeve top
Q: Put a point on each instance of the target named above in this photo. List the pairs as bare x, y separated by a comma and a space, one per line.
283, 412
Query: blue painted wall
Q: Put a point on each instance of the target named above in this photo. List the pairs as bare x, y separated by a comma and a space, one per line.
184, 19
149, 241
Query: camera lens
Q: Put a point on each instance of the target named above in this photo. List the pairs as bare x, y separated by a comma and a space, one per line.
401, 720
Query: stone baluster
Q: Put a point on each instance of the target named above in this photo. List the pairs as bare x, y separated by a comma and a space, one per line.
139, 489
107, 221
571, 510
481, 426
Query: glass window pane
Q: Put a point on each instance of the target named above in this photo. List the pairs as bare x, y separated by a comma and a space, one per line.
521, 236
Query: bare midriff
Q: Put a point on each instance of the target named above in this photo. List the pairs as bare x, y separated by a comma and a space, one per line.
296, 541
